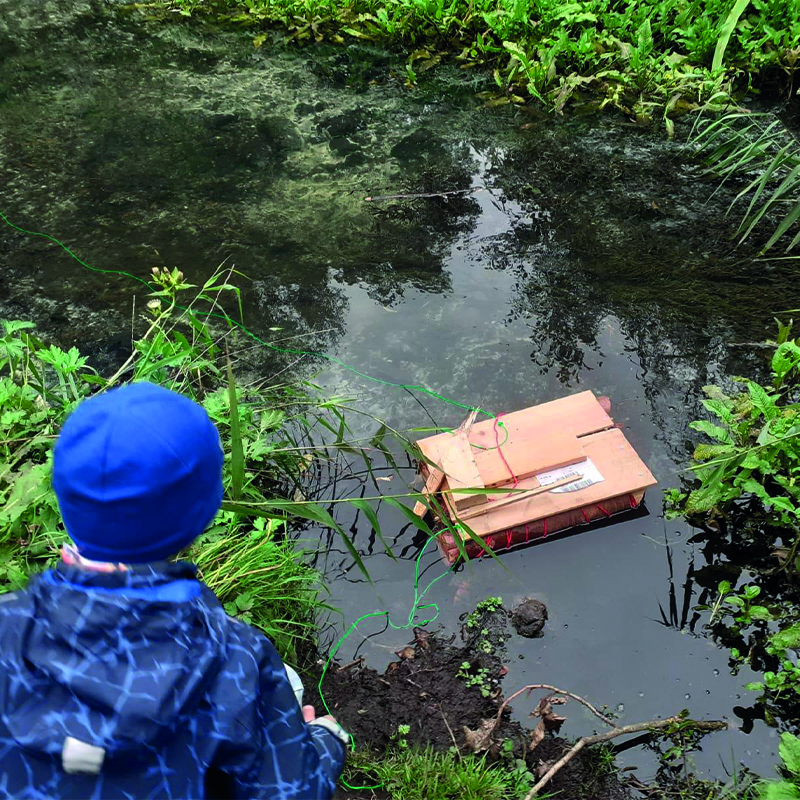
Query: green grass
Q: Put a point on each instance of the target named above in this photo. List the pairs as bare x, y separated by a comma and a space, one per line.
415, 773
758, 148
271, 436
644, 57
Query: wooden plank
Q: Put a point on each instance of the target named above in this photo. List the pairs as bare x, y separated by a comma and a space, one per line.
527, 452
622, 469
461, 470
432, 484
503, 500
581, 413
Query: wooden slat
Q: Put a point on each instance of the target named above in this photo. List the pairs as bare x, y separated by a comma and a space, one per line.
623, 472
461, 470
432, 484
503, 500
581, 413
528, 452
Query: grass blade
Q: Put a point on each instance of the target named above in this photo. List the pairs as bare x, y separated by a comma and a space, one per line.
369, 513
725, 33
237, 451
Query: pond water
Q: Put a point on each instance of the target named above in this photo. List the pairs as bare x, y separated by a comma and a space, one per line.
579, 254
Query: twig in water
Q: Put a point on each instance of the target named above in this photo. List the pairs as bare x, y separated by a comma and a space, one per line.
653, 724
381, 197
556, 690
359, 660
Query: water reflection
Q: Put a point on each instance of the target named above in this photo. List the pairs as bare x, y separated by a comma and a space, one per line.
585, 258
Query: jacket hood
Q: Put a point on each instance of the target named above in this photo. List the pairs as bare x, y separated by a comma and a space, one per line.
115, 659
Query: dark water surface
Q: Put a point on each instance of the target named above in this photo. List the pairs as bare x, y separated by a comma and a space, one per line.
583, 255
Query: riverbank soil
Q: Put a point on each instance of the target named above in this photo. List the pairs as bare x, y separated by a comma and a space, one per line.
423, 689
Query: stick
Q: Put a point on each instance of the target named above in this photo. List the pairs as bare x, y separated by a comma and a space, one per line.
653, 724
514, 498
359, 660
450, 730
380, 197
555, 690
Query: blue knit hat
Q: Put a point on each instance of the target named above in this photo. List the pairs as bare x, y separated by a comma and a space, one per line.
138, 474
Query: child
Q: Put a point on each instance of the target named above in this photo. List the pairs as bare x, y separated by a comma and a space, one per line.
120, 674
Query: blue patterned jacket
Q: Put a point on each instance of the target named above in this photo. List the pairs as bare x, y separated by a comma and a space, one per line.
138, 685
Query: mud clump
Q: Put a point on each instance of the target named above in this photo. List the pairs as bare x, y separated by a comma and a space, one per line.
529, 618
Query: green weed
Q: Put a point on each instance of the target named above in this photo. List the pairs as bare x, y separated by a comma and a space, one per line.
423, 774
272, 438
760, 149
637, 56
789, 787
754, 462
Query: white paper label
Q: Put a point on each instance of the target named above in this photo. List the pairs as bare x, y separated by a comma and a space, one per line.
585, 472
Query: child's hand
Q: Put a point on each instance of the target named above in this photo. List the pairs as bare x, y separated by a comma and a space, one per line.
309, 715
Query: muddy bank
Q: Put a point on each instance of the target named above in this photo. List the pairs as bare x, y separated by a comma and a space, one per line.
449, 692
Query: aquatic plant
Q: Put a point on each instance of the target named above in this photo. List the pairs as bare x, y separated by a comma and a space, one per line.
638, 56
789, 787
759, 149
753, 465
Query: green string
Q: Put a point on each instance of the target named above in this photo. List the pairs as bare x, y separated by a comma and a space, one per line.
418, 596
416, 607
225, 318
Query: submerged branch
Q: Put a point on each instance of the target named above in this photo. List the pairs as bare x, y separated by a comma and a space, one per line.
654, 724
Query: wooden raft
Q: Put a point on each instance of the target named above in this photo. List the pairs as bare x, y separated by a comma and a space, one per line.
570, 463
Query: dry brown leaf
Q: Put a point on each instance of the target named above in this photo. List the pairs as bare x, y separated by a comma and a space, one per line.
537, 735
549, 720
421, 637
481, 739
542, 768
781, 553
407, 653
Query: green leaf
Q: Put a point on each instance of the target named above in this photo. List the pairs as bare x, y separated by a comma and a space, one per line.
720, 409
752, 486
11, 326
726, 30
762, 401
409, 515
784, 504
237, 452
244, 601
789, 749
779, 790
314, 513
735, 601
714, 431
724, 587
703, 499
369, 513
760, 612
785, 358
707, 452
788, 638
754, 686
29, 486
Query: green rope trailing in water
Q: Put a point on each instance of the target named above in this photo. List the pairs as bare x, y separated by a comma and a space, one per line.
225, 318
